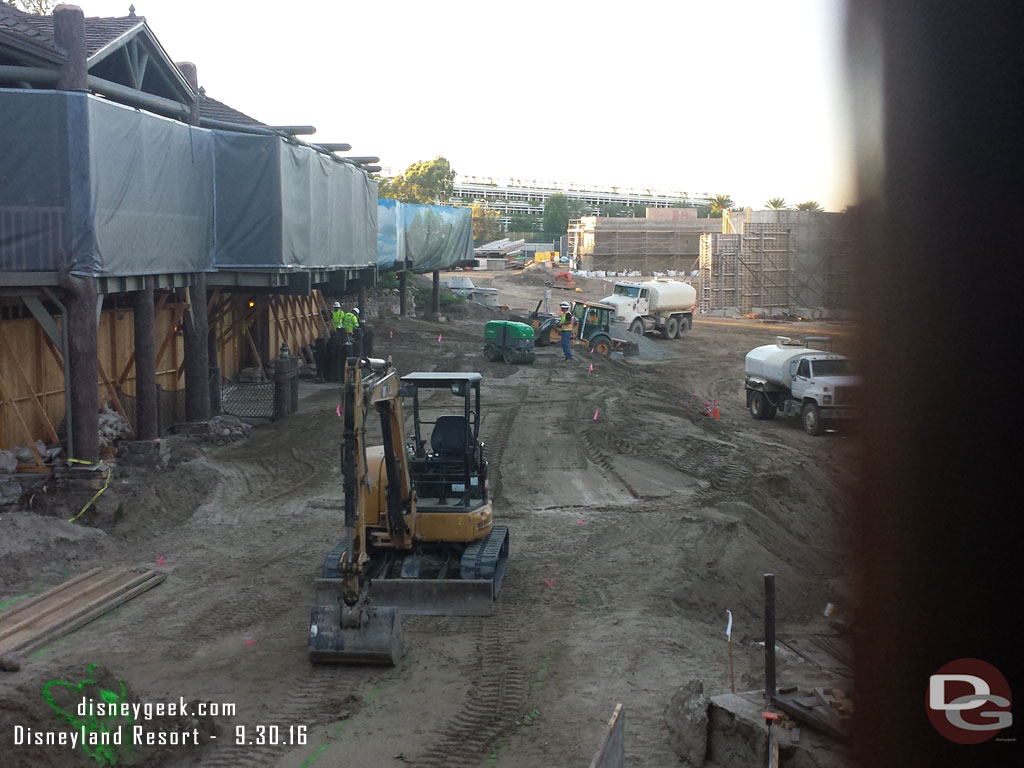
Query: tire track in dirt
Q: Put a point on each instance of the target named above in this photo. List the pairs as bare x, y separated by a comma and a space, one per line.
494, 450
581, 429
316, 700
495, 699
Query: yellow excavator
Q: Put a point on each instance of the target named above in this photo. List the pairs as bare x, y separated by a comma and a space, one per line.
419, 522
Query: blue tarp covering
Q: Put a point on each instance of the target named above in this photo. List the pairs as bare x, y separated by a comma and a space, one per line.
118, 191
281, 205
428, 237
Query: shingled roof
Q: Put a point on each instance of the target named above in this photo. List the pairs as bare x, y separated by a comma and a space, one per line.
216, 110
31, 37
99, 31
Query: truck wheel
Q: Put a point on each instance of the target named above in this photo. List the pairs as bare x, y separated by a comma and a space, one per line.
811, 417
671, 328
684, 326
758, 404
490, 352
637, 327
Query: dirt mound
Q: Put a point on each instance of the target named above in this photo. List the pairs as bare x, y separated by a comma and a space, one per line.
38, 704
27, 541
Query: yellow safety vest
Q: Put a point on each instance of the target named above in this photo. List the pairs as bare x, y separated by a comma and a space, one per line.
337, 317
565, 322
350, 322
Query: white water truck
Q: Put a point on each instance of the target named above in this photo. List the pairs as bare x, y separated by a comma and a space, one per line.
810, 383
653, 305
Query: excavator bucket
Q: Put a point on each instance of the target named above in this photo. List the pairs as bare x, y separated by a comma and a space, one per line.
376, 639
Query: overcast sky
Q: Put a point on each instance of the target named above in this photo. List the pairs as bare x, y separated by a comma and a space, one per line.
743, 98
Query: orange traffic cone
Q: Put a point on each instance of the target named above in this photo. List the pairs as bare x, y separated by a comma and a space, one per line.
716, 409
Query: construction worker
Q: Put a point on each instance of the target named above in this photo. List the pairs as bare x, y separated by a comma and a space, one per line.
565, 325
337, 316
350, 324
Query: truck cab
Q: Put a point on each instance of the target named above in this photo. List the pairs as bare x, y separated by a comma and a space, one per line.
630, 296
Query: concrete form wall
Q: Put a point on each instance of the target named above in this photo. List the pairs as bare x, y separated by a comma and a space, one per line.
748, 272
784, 261
643, 245
822, 260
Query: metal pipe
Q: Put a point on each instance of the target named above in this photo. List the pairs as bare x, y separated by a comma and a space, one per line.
336, 147
69, 450
222, 125
294, 130
364, 159
135, 98
30, 75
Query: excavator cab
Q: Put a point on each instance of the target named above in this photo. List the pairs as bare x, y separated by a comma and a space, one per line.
446, 463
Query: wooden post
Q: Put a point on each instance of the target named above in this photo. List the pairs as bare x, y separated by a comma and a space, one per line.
213, 358
435, 296
401, 292
69, 35
146, 427
80, 291
83, 362
769, 638
197, 365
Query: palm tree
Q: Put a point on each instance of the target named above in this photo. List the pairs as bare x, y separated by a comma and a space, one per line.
811, 205
777, 204
720, 203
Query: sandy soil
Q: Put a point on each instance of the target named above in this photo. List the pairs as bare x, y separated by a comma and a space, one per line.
636, 523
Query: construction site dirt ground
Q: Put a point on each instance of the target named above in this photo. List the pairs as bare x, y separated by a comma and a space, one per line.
636, 521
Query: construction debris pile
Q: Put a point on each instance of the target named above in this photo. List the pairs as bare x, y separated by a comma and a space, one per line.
220, 430
112, 426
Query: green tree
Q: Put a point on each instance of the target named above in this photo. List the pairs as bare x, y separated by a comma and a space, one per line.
811, 205
777, 204
718, 204
579, 208
520, 222
556, 215
615, 210
486, 225
428, 181
38, 7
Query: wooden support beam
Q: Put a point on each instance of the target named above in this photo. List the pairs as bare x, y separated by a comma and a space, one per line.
112, 392
255, 352
55, 352
29, 437
31, 390
179, 309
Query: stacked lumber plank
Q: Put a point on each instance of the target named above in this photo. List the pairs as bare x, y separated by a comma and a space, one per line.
70, 605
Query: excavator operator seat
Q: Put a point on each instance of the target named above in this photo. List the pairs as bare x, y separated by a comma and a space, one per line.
448, 440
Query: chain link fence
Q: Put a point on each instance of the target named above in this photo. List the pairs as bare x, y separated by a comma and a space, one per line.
247, 400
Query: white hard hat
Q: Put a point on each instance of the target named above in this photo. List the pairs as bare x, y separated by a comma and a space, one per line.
337, 305
564, 305
356, 310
